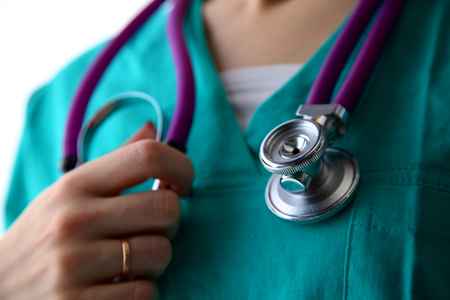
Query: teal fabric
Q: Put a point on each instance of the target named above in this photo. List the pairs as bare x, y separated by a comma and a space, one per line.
391, 242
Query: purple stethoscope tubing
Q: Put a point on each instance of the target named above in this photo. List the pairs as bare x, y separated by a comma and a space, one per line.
355, 82
180, 125
179, 128
93, 76
320, 93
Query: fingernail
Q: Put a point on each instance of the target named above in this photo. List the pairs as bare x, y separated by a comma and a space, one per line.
150, 125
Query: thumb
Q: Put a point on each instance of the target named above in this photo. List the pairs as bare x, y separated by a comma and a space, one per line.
147, 131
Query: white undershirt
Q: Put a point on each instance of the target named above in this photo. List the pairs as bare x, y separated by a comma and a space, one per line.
247, 88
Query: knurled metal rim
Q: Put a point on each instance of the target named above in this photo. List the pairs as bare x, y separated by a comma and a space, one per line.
303, 162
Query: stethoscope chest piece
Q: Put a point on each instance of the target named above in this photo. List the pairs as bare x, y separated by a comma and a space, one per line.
327, 194
310, 183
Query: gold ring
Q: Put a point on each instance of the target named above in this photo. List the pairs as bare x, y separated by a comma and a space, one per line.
126, 257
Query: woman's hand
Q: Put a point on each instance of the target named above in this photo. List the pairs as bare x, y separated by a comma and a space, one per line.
66, 244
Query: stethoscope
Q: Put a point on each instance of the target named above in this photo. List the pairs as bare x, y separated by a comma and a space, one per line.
311, 182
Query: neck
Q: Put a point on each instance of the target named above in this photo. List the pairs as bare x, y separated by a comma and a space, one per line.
243, 33
261, 5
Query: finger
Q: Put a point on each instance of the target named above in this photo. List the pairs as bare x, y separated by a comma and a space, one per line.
103, 259
148, 131
140, 289
132, 165
138, 213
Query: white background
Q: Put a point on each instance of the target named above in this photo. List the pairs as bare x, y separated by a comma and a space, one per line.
37, 38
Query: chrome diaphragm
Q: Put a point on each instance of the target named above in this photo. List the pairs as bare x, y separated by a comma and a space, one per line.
310, 181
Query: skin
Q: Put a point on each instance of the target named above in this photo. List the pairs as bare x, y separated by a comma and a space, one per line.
66, 244
263, 32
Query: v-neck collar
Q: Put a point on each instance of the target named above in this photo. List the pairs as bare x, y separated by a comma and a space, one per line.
212, 99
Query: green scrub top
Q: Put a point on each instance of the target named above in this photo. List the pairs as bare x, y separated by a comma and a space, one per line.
391, 242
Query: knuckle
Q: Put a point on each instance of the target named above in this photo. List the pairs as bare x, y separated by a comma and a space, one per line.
65, 225
72, 182
144, 290
72, 221
65, 185
63, 294
146, 152
65, 263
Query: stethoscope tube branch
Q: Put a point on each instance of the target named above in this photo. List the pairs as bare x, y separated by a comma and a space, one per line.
331, 69
181, 122
90, 81
355, 82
